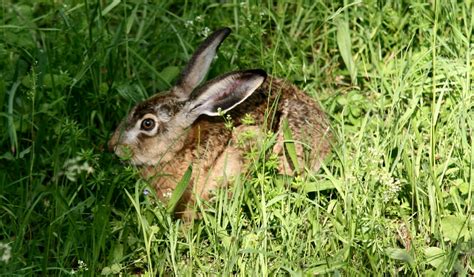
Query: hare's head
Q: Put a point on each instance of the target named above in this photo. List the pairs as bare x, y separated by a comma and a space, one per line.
154, 127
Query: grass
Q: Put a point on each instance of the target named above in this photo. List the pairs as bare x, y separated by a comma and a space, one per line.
395, 197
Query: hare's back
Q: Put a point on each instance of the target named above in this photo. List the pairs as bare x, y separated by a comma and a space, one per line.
305, 120
273, 106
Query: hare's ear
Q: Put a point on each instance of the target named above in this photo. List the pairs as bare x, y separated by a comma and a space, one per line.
224, 93
199, 64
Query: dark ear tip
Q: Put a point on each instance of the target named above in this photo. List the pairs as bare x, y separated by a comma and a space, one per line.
259, 72
223, 31
226, 30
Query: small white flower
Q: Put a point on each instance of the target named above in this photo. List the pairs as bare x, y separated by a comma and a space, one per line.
188, 23
375, 155
6, 251
206, 31
74, 167
199, 18
82, 266
391, 184
167, 194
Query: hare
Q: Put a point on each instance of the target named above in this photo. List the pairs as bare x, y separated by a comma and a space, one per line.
166, 133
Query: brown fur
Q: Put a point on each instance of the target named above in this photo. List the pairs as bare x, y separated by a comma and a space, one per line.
183, 134
211, 148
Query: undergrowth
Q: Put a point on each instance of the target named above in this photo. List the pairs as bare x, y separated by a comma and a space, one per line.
395, 197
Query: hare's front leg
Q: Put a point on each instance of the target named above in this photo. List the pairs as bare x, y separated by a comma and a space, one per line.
208, 180
227, 165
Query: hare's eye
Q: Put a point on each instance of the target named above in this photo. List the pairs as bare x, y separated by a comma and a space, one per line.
148, 124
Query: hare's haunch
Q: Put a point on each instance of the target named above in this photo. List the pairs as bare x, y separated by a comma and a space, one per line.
169, 131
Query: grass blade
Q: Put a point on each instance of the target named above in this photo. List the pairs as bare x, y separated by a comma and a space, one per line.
345, 47
290, 145
11, 125
180, 189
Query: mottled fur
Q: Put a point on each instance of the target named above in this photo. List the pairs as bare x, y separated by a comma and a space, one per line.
183, 138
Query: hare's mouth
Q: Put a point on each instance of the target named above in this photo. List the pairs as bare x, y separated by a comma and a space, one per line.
125, 153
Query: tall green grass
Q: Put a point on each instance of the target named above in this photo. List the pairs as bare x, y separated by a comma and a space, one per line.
395, 197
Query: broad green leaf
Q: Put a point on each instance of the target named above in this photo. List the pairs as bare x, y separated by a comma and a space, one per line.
112, 270
462, 186
290, 145
7, 156
399, 254
455, 227
116, 254
345, 47
434, 256
180, 189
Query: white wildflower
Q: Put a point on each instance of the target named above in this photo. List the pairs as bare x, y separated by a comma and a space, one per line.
75, 166
375, 155
6, 252
82, 266
167, 194
199, 18
391, 185
205, 32
188, 23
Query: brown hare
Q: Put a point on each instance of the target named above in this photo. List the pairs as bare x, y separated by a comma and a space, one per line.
167, 132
